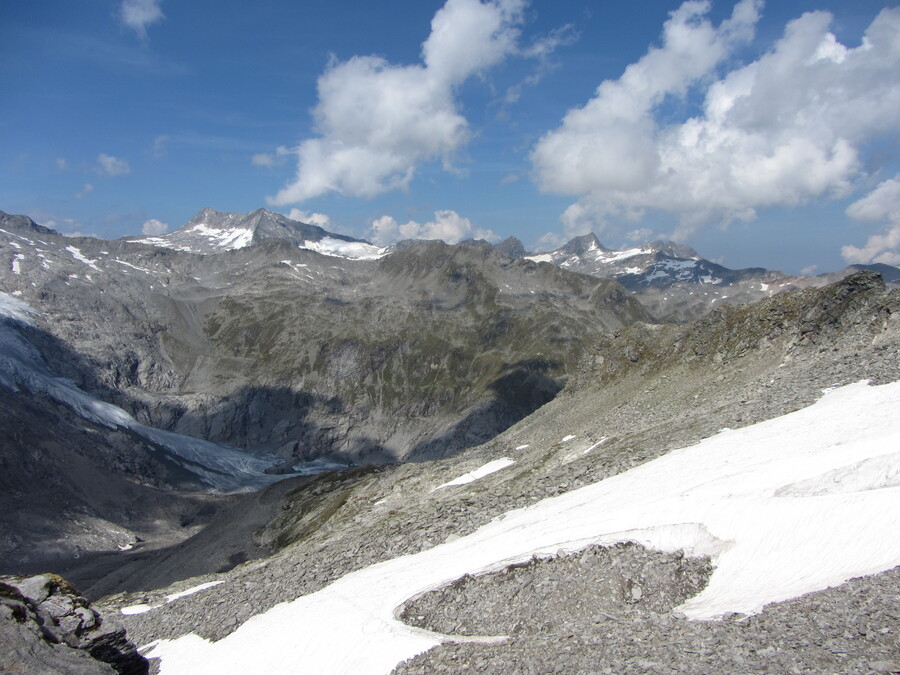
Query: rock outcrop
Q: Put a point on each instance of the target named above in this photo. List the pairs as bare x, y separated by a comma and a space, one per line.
47, 626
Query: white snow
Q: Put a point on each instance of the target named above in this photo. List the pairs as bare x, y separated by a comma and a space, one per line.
12, 308
17, 263
596, 445
480, 472
522, 447
722, 497
615, 256
25, 239
191, 591
228, 239
541, 257
164, 243
568, 438
354, 250
140, 609
134, 267
223, 238
76, 253
137, 609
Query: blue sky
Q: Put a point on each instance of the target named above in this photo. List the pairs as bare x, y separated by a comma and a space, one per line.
762, 135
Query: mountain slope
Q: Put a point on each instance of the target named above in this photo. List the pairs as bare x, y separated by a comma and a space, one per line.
228, 369
680, 384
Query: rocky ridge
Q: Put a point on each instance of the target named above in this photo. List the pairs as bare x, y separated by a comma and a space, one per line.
164, 369
676, 284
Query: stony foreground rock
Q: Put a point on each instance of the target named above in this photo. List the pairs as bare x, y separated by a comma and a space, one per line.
46, 626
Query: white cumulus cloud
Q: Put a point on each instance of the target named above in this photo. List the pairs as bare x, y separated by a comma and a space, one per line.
882, 204
138, 14
154, 227
310, 218
447, 226
780, 131
378, 121
112, 166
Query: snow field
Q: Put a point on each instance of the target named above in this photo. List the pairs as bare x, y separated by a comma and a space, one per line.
784, 507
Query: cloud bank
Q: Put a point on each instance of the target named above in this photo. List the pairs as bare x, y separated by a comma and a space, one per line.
882, 204
378, 121
780, 131
447, 226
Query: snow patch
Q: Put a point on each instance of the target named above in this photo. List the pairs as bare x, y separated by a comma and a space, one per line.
191, 591
76, 253
142, 608
481, 472
354, 250
596, 445
134, 267
616, 256
17, 263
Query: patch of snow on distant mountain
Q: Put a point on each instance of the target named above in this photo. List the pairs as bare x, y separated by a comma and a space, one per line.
721, 497
354, 250
615, 256
227, 239
76, 253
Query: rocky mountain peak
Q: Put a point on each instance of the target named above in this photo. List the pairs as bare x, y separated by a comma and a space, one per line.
583, 244
512, 247
23, 223
212, 231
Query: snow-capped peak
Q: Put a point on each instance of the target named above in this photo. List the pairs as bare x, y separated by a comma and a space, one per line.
212, 231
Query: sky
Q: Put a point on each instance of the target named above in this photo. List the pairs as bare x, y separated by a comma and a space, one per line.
760, 134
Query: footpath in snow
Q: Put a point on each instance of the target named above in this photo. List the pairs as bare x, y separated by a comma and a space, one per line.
784, 507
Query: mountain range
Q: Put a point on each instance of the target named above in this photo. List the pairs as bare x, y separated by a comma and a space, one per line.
261, 402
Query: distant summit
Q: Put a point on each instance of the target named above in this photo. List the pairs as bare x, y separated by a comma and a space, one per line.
212, 231
670, 279
23, 223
